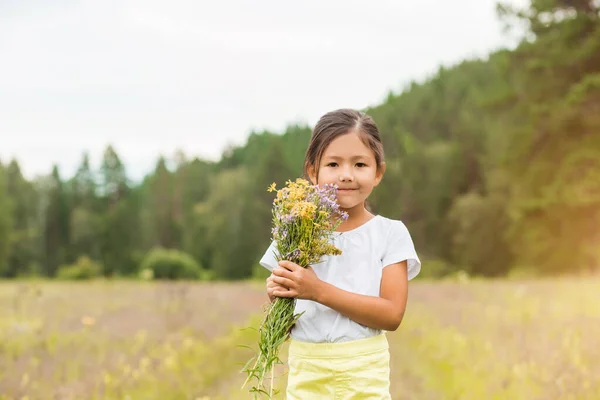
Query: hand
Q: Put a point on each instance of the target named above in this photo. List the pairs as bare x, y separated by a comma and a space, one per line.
301, 283
272, 287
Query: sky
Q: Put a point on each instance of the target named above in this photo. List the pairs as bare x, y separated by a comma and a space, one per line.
151, 77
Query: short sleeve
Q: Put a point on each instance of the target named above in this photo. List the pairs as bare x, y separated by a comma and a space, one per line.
269, 259
399, 247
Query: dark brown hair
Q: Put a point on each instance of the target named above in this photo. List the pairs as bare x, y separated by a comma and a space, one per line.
337, 123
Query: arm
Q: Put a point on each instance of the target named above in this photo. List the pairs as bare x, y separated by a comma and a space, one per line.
384, 312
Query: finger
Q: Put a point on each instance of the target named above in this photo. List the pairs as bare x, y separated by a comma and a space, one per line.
276, 286
285, 282
287, 293
277, 290
289, 265
282, 272
272, 292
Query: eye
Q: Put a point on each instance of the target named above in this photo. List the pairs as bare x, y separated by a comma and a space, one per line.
332, 164
361, 165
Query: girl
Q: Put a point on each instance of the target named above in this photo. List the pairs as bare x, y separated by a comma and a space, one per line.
338, 348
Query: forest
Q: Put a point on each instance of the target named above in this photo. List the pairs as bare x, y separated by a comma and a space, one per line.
493, 164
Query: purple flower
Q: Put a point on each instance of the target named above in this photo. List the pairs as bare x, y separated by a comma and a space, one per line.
294, 255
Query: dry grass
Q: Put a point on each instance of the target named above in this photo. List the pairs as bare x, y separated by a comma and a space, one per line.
119, 340
109, 340
500, 340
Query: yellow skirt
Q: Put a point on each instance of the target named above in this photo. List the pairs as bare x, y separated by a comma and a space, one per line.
358, 369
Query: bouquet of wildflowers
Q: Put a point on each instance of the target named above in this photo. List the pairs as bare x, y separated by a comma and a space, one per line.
304, 219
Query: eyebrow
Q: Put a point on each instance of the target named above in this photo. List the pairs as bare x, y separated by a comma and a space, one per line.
352, 158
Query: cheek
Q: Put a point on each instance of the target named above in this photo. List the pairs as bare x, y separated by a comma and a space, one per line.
368, 177
326, 176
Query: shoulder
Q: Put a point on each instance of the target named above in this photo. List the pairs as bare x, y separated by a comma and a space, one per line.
389, 227
393, 234
398, 246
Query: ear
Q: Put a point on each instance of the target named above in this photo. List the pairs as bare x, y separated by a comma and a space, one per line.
380, 172
311, 174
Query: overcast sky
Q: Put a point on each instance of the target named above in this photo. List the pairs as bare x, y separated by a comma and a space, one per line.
152, 76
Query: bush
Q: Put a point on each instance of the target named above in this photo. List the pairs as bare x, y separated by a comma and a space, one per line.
478, 225
434, 268
84, 268
170, 264
207, 275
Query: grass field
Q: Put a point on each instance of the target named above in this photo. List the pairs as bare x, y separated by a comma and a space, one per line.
134, 340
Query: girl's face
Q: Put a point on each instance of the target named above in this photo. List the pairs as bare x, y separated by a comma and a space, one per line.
350, 164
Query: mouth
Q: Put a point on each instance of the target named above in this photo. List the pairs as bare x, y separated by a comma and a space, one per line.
346, 190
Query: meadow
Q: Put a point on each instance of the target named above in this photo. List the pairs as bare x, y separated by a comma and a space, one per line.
460, 339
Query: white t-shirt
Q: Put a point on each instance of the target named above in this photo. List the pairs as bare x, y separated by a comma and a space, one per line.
366, 251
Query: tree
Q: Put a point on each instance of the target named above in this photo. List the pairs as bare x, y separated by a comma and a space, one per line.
85, 217
119, 224
555, 145
222, 220
194, 178
25, 227
163, 207
56, 229
5, 224
84, 185
114, 183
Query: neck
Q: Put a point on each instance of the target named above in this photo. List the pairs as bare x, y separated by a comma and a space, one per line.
357, 216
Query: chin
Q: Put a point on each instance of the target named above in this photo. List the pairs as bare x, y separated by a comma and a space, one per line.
346, 206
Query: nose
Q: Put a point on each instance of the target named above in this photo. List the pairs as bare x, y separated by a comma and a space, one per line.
346, 175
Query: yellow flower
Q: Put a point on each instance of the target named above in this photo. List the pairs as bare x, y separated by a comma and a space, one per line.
304, 210
87, 321
272, 187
